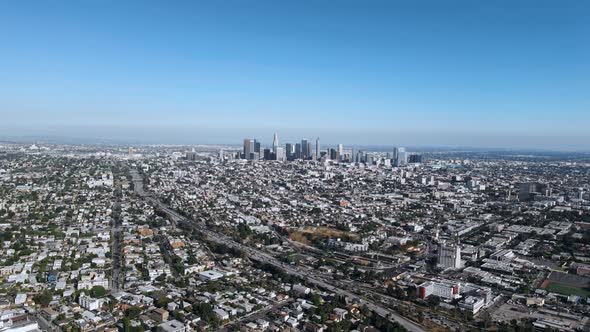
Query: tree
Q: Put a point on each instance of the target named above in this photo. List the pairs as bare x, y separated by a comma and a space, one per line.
98, 291
43, 298
133, 312
433, 301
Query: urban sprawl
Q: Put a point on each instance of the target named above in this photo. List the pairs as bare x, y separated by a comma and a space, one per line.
291, 237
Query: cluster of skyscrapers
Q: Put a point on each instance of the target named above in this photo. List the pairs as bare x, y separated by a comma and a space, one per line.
252, 150
305, 150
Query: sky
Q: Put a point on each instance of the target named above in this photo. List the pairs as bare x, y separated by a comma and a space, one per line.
451, 73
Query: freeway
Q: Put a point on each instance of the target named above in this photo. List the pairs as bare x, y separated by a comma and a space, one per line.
116, 249
260, 256
116, 275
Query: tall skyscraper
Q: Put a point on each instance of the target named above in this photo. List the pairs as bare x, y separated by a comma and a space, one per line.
280, 154
449, 255
340, 152
298, 152
248, 147
400, 157
304, 149
257, 147
290, 151
275, 143
333, 154
317, 148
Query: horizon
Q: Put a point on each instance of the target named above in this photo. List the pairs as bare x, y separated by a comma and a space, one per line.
266, 140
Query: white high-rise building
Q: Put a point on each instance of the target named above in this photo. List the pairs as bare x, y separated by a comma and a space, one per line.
280, 154
275, 143
317, 148
400, 157
449, 255
249, 145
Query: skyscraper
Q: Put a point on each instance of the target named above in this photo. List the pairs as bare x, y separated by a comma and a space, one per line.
333, 154
280, 154
248, 147
298, 152
317, 148
340, 152
400, 157
275, 143
304, 149
257, 147
268, 154
415, 158
290, 151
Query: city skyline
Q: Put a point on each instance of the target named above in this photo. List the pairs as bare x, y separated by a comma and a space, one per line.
491, 75
233, 137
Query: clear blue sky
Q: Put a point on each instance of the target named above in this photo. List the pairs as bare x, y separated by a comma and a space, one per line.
479, 73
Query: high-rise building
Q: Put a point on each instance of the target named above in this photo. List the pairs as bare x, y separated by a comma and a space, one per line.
248, 147
449, 255
192, 155
280, 154
298, 152
257, 146
400, 157
304, 149
290, 151
268, 154
340, 152
275, 143
528, 190
415, 158
333, 154
317, 148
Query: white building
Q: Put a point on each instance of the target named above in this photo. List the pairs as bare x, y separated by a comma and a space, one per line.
90, 303
449, 256
172, 326
445, 290
472, 304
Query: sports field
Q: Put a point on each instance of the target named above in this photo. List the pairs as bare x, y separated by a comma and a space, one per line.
566, 290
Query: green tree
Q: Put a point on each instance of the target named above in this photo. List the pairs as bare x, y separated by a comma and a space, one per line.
43, 298
98, 291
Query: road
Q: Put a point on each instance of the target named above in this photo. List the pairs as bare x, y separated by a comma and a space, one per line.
260, 256
137, 183
116, 249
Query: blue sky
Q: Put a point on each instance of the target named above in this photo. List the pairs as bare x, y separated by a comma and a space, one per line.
471, 73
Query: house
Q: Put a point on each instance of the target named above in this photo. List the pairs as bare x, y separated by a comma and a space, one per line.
210, 275
160, 315
171, 326
221, 314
